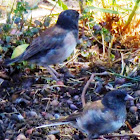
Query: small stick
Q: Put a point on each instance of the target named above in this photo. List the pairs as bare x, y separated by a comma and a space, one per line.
88, 83
123, 135
129, 126
85, 89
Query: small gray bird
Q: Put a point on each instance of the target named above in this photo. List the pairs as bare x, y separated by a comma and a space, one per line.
99, 117
54, 45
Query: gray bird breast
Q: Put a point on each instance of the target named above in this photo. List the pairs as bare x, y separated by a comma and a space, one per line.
59, 54
96, 122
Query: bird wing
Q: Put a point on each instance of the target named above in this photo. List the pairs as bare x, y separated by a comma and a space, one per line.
94, 105
99, 111
69, 118
91, 105
49, 39
97, 119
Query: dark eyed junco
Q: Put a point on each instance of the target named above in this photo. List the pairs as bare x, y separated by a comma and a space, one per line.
55, 44
99, 117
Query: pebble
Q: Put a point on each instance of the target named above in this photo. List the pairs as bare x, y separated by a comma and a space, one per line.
29, 131
99, 87
47, 115
137, 93
54, 132
76, 98
120, 81
133, 109
17, 117
32, 114
138, 105
22, 102
69, 101
57, 116
131, 103
55, 103
27, 70
21, 137
20, 117
73, 107
51, 137
35, 101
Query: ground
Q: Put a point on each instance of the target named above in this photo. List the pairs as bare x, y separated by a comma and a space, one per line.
29, 97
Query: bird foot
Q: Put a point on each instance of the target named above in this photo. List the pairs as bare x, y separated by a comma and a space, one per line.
55, 75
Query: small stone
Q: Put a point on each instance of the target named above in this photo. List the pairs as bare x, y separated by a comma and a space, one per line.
43, 113
22, 102
47, 115
30, 131
99, 87
68, 130
55, 103
35, 101
21, 137
51, 137
57, 116
69, 101
18, 118
14, 97
138, 105
32, 114
73, 107
60, 83
27, 70
131, 103
54, 132
120, 81
133, 109
137, 93
76, 97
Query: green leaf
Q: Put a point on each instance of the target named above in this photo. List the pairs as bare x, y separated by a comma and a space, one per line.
47, 21
112, 56
19, 50
35, 30
6, 27
1, 49
62, 5
8, 38
101, 10
85, 54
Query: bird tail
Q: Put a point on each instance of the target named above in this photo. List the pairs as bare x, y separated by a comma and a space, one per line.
52, 124
64, 120
10, 61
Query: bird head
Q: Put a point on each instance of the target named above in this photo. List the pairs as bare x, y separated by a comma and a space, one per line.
68, 19
116, 98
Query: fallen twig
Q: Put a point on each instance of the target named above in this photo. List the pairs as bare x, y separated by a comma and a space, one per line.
85, 89
123, 135
129, 126
88, 83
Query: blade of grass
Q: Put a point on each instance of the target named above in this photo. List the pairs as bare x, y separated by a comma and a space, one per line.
131, 15
101, 10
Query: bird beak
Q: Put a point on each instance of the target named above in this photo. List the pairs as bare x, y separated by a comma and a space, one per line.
128, 97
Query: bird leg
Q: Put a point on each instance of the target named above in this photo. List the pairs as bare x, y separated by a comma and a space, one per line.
54, 74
